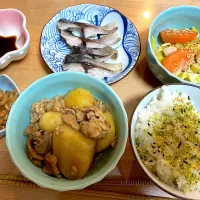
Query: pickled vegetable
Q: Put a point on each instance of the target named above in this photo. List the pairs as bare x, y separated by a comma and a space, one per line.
7, 99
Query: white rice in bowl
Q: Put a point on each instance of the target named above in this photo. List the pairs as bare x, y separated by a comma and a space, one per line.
167, 136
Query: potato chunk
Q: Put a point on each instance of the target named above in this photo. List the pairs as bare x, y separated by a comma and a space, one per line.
79, 97
104, 143
74, 151
50, 120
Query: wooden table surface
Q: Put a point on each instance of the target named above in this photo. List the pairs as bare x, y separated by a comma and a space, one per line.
130, 89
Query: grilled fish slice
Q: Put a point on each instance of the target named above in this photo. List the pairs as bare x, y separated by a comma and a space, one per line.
97, 53
73, 67
87, 63
70, 39
107, 40
101, 30
89, 30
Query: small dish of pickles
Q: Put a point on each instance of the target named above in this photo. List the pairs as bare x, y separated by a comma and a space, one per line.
67, 131
7, 99
8, 94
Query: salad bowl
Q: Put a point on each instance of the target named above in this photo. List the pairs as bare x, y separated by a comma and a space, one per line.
178, 17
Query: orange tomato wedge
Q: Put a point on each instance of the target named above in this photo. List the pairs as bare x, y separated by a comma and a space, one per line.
178, 36
176, 61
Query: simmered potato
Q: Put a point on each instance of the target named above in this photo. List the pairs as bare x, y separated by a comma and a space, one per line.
50, 120
106, 142
74, 151
79, 97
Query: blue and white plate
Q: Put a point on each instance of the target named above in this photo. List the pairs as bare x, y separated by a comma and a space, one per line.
54, 48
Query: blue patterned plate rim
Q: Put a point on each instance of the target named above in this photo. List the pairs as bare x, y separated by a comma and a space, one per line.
133, 59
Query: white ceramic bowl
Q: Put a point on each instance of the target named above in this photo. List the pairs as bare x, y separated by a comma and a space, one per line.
194, 93
13, 23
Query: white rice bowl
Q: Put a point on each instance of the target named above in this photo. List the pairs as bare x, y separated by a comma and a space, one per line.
172, 165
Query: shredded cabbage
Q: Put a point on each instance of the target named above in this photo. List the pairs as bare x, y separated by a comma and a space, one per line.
153, 42
195, 68
195, 78
195, 29
192, 77
158, 51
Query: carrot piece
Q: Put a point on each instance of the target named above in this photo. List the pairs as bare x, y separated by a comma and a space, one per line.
174, 36
177, 61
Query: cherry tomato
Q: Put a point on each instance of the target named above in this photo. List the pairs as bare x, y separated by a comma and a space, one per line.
178, 36
176, 61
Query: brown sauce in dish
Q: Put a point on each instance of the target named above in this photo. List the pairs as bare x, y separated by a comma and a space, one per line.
7, 44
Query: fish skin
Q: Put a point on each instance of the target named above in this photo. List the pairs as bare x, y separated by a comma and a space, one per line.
70, 39
89, 30
107, 40
69, 23
98, 53
88, 62
102, 30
